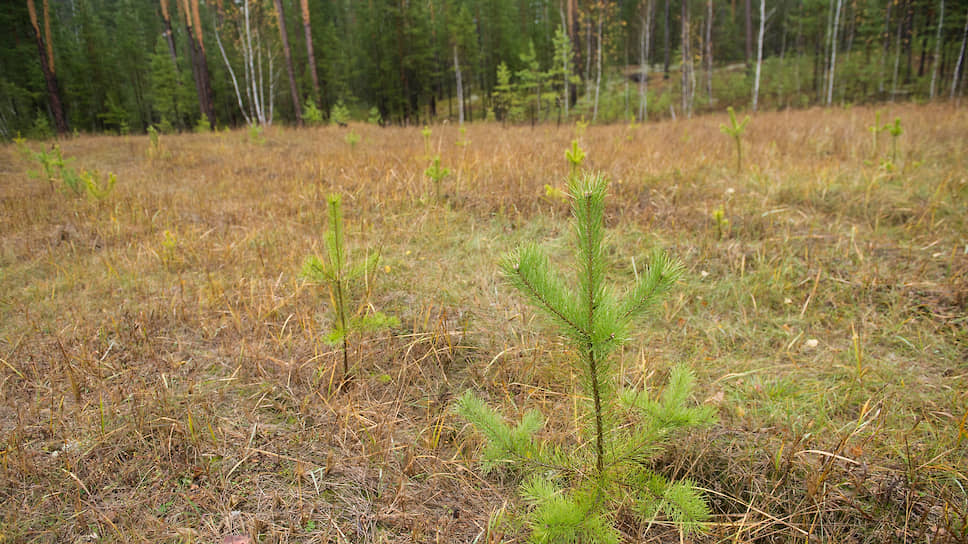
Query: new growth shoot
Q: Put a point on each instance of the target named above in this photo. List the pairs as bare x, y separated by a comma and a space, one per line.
735, 129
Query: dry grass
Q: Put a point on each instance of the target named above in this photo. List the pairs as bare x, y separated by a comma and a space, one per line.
164, 377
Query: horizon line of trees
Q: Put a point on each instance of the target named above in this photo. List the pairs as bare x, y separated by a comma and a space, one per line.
126, 65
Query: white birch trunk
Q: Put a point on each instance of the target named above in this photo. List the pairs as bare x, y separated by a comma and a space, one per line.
598, 77
759, 55
937, 52
645, 38
235, 81
961, 59
709, 50
833, 54
897, 57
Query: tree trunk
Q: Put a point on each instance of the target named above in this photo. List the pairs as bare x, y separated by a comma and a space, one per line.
833, 54
897, 57
284, 35
937, 52
644, 45
309, 50
709, 50
203, 84
668, 39
686, 63
47, 67
460, 88
169, 35
887, 46
748, 16
598, 62
759, 55
961, 59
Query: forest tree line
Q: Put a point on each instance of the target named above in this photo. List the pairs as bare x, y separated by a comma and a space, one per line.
125, 65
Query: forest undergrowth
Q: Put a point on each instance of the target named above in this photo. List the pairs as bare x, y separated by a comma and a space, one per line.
166, 375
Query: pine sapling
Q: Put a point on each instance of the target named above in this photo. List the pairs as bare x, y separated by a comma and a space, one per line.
575, 156
338, 277
572, 493
436, 173
735, 129
895, 131
874, 130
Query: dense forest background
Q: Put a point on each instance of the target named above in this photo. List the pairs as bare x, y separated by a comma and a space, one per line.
125, 65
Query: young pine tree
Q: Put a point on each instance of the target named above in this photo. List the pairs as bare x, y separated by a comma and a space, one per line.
338, 276
573, 493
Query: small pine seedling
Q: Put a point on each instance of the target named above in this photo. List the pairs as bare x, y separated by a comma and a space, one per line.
425, 132
575, 156
352, 139
736, 130
256, 136
722, 223
895, 131
203, 126
94, 188
374, 117
340, 114
154, 143
874, 130
338, 277
436, 174
312, 115
572, 494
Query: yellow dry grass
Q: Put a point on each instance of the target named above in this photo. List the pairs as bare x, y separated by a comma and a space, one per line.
164, 377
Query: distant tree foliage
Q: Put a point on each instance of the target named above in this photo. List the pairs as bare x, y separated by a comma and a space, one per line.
98, 65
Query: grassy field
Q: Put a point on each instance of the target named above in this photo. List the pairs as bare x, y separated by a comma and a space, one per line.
164, 376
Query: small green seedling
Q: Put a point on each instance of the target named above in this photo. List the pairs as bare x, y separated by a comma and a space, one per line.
340, 114
874, 130
426, 138
573, 494
436, 173
462, 141
735, 129
352, 139
312, 115
580, 126
722, 223
94, 188
203, 126
895, 131
256, 135
154, 143
374, 117
575, 156
338, 276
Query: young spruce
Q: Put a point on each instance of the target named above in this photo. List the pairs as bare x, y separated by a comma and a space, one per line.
338, 277
573, 494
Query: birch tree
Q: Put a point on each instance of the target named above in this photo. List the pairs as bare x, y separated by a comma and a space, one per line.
255, 96
833, 53
937, 52
645, 44
759, 55
961, 59
686, 62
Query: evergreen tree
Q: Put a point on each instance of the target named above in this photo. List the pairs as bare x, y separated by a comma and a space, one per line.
572, 493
